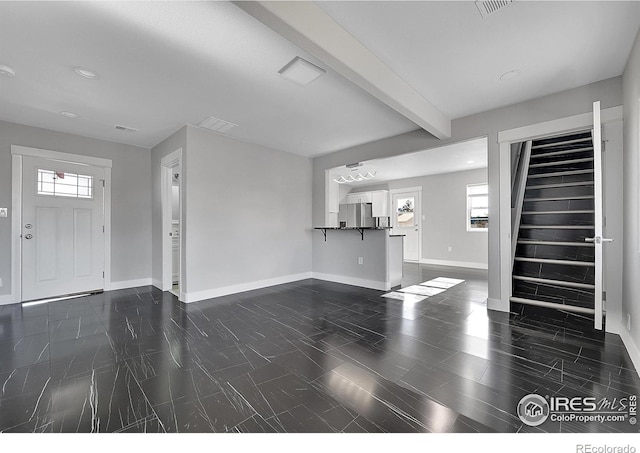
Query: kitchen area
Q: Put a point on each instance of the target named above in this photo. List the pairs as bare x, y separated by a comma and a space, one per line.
355, 246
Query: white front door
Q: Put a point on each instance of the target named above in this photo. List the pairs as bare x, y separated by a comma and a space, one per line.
406, 221
62, 228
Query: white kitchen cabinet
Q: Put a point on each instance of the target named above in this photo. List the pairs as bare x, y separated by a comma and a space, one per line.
359, 197
380, 203
379, 200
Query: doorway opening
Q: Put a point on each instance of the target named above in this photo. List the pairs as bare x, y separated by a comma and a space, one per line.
172, 225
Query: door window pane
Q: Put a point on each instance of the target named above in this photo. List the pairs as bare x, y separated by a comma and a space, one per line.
405, 207
63, 184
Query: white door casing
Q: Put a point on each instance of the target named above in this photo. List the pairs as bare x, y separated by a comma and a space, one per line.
62, 236
554, 127
168, 164
408, 224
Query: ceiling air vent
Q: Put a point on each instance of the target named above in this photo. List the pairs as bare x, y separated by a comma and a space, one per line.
216, 124
488, 7
126, 128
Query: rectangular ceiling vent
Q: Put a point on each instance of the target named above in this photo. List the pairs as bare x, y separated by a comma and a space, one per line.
488, 7
119, 127
216, 124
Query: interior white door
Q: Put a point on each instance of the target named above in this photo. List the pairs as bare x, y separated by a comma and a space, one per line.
62, 228
406, 221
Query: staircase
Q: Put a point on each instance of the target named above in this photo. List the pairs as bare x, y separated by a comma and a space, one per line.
553, 265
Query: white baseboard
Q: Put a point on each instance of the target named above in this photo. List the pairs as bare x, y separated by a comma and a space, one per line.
157, 283
372, 284
124, 284
630, 344
6, 299
497, 305
466, 264
242, 287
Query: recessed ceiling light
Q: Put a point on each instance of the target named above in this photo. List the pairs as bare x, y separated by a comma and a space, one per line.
471, 161
301, 72
6, 71
510, 74
69, 114
120, 127
82, 72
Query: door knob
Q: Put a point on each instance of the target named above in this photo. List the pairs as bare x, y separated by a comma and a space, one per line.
28, 236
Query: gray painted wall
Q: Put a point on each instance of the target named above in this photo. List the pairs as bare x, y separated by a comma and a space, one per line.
631, 266
559, 105
338, 256
248, 212
167, 146
444, 205
130, 197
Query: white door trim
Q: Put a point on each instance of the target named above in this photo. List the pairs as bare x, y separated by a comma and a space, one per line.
166, 164
505, 138
418, 189
17, 153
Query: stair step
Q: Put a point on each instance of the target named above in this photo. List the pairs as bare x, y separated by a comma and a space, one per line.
561, 173
562, 162
580, 211
567, 142
541, 303
560, 153
576, 197
552, 261
556, 243
560, 185
556, 227
547, 281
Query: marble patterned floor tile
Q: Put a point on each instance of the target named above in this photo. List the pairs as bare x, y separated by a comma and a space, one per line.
309, 356
14, 325
24, 351
79, 356
107, 400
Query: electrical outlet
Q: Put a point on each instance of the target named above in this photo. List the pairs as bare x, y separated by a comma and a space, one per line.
628, 322
3, 212
449, 249
360, 260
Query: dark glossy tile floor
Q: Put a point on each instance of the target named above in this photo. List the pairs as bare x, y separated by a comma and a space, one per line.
310, 356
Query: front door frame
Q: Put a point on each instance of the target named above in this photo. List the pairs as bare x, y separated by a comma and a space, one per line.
505, 139
17, 153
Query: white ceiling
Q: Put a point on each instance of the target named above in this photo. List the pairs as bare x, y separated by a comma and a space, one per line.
454, 57
468, 155
166, 64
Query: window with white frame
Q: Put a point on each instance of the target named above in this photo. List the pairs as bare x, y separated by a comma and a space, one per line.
477, 207
62, 184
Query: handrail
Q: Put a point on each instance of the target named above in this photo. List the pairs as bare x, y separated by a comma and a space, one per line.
518, 190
